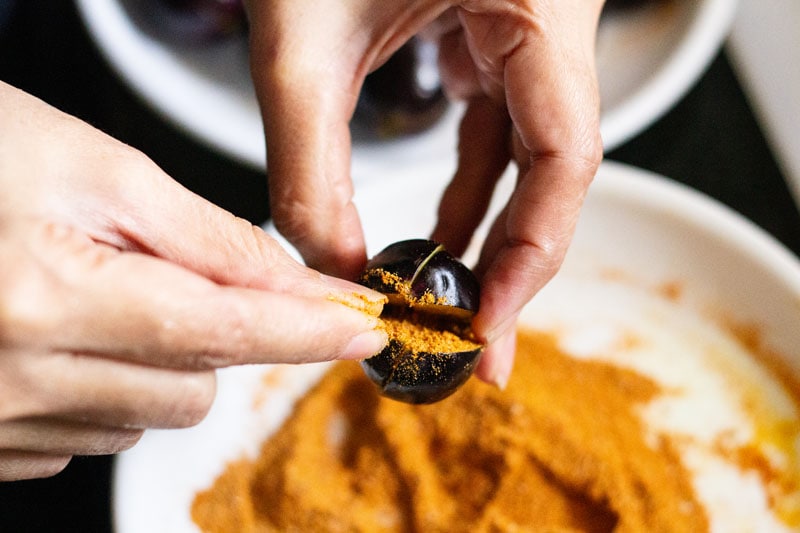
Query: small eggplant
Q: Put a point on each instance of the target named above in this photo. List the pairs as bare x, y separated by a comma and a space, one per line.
189, 23
432, 298
403, 96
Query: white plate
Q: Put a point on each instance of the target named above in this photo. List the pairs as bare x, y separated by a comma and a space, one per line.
647, 59
634, 224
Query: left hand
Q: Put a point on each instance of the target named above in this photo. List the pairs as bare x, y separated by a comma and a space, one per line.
121, 292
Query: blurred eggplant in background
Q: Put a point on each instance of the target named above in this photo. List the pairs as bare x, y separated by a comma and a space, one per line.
189, 22
402, 97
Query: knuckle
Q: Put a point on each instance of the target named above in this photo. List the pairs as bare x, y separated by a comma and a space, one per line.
552, 261
133, 172
130, 160
590, 152
33, 287
294, 220
540, 259
227, 341
257, 253
22, 310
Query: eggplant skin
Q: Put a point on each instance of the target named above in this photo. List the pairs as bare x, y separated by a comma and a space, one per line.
420, 378
426, 283
403, 97
427, 269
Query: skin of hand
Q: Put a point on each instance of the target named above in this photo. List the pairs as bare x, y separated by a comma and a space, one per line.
526, 69
121, 292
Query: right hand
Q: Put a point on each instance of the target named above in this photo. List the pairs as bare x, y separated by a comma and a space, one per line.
121, 292
527, 71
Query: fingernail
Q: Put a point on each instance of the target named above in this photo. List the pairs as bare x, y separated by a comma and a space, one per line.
365, 345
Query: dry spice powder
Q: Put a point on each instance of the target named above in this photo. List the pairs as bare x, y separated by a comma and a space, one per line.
418, 335
561, 449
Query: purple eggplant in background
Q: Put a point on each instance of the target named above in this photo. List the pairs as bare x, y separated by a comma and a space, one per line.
403, 96
189, 22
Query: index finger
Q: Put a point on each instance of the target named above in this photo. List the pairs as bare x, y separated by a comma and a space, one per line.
145, 310
69, 294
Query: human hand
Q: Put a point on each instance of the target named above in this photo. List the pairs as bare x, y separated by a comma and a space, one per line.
530, 81
121, 292
527, 70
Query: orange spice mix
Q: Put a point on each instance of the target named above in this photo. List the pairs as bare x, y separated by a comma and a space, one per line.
561, 449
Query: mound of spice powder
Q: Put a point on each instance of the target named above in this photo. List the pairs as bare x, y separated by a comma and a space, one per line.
562, 448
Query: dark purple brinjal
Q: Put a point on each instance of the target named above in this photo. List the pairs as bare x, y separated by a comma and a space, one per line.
190, 22
432, 298
403, 96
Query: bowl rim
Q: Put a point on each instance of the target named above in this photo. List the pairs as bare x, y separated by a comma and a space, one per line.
121, 44
660, 193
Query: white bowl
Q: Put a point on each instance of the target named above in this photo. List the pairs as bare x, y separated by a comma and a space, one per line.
646, 230
647, 59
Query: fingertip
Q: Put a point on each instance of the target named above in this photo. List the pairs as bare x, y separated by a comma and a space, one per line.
365, 345
497, 361
489, 329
